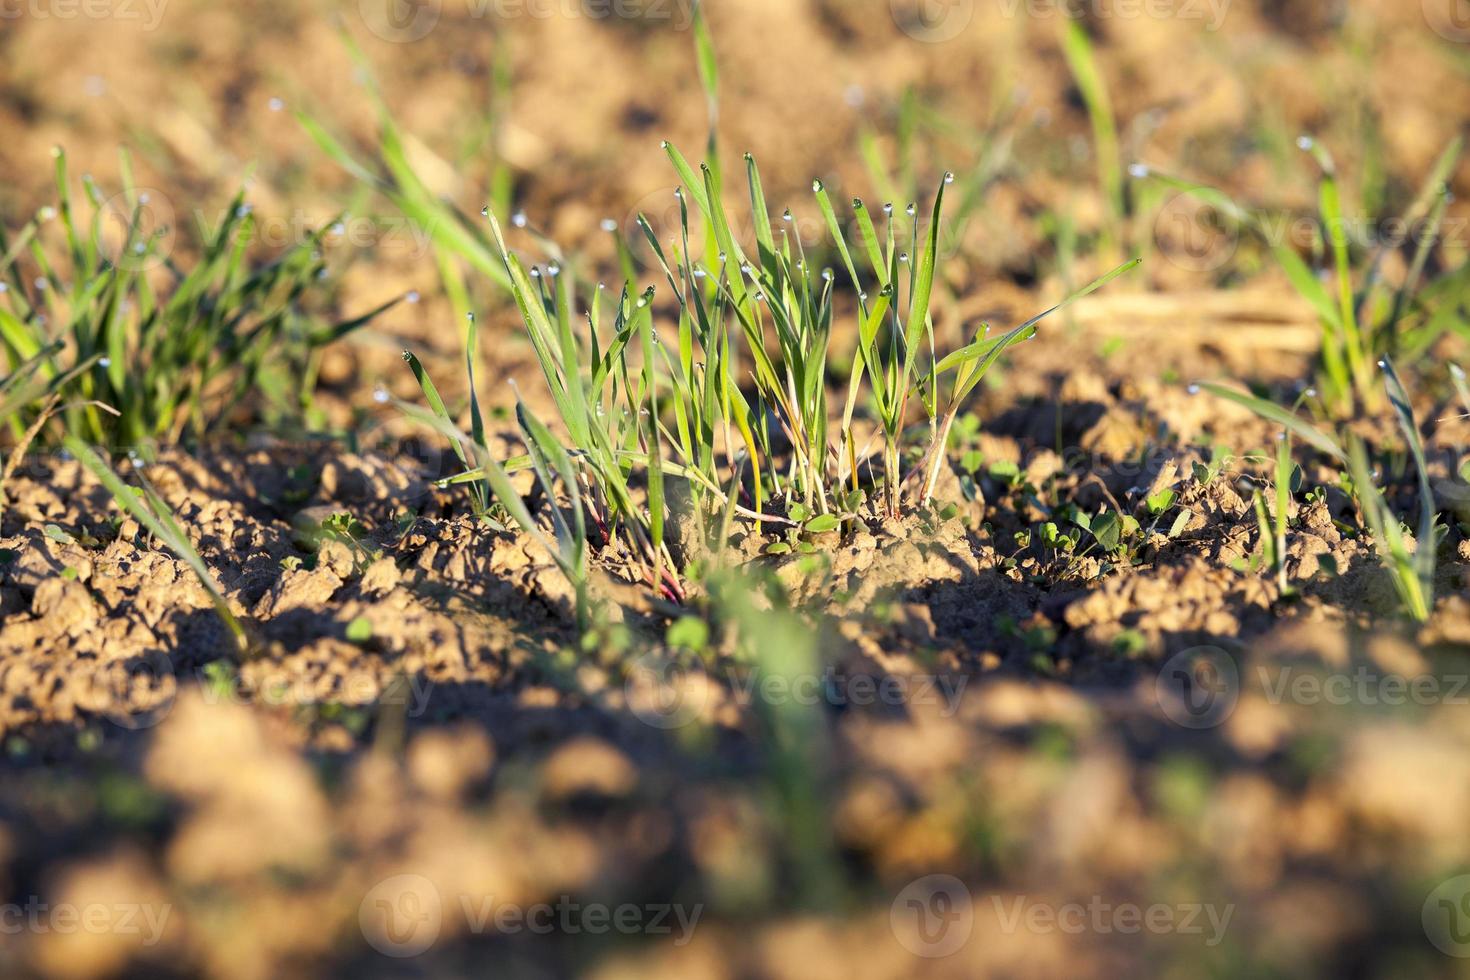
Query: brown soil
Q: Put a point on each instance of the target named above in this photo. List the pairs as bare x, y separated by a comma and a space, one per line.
417, 722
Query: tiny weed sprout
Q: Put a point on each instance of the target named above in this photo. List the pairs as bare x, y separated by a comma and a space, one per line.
137, 349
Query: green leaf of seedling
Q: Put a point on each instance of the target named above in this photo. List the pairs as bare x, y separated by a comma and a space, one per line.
1108, 530
823, 523
688, 633
360, 630
56, 534
1272, 412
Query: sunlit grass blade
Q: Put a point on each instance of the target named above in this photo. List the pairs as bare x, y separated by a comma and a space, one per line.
1299, 427
151, 512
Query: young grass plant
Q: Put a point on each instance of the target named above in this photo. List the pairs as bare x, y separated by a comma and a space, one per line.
135, 364
460, 245
1411, 569
149, 510
1363, 317
1273, 520
638, 411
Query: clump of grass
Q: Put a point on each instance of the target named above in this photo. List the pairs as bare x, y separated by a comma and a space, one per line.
1363, 317
460, 244
490, 481
121, 326
638, 411
1412, 570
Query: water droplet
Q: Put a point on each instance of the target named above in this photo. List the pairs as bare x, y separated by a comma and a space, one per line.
642, 302
243, 211
413, 296
1457, 371
827, 274
1311, 392
888, 209
817, 186
745, 268
518, 219
4, 288
321, 273
1194, 389
41, 283
276, 104
339, 228
535, 273
1382, 364
1139, 171
1305, 142
679, 193
903, 256
663, 144
863, 297
139, 248
104, 362
948, 177
912, 210
760, 297
380, 396
485, 211
554, 269
722, 258
470, 317
700, 273
408, 355
609, 224
787, 215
